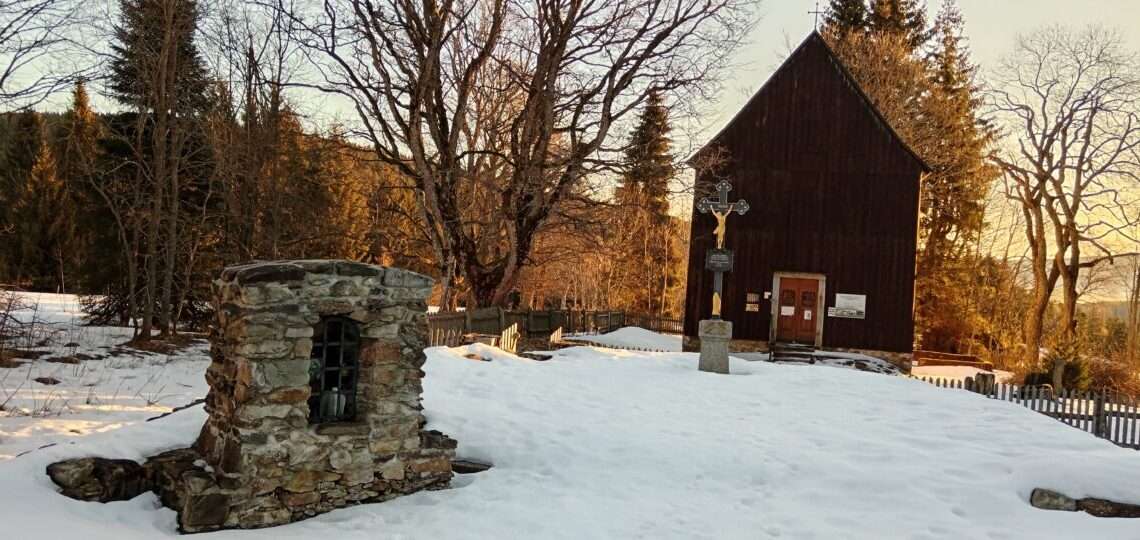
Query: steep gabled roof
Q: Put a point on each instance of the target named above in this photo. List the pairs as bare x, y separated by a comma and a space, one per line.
817, 40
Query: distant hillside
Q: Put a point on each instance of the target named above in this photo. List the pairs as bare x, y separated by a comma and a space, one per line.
1107, 310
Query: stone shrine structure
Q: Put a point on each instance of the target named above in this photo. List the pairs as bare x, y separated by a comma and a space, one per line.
297, 425
314, 400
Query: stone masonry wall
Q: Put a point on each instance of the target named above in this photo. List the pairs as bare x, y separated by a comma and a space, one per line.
264, 464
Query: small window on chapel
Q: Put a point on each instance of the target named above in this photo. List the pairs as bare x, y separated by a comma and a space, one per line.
333, 370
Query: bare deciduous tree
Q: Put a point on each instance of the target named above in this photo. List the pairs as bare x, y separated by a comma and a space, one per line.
1070, 104
566, 72
32, 38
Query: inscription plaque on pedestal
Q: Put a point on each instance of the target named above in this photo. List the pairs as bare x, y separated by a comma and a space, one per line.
718, 260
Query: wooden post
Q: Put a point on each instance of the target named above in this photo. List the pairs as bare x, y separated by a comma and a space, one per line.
1100, 420
984, 383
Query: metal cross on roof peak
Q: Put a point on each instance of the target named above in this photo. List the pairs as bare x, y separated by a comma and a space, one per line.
720, 205
817, 13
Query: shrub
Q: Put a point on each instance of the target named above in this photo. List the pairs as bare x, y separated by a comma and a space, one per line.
1077, 374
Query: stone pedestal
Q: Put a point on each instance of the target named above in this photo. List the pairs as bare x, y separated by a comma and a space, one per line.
715, 335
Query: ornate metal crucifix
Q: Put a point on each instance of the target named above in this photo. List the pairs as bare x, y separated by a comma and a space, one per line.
719, 259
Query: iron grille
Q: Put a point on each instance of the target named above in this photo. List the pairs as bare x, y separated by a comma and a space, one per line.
334, 370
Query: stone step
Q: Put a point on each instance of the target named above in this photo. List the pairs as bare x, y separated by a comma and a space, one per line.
802, 355
791, 347
794, 359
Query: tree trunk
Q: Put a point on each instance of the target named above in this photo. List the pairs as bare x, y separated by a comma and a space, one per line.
132, 277
155, 226
1132, 340
169, 316
1032, 330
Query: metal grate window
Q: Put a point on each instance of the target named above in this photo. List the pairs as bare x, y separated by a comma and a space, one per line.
334, 370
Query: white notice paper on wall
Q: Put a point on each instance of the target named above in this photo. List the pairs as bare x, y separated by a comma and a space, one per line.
787, 311
807, 315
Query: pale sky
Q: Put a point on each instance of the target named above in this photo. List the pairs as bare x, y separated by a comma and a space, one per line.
991, 27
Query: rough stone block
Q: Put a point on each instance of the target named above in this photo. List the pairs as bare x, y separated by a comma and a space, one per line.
99, 479
265, 349
300, 499
384, 447
307, 480
299, 332
431, 465
347, 287
436, 439
393, 469
204, 512
268, 272
343, 429
1108, 509
395, 277
1051, 500
282, 373
292, 396
349, 268
362, 475
386, 332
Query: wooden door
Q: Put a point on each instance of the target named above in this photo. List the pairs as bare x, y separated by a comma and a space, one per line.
796, 316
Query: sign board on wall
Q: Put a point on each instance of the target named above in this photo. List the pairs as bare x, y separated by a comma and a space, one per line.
849, 306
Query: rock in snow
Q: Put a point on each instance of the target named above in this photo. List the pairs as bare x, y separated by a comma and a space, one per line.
618, 444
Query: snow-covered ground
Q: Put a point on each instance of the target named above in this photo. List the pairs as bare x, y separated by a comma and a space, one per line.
957, 373
102, 386
634, 337
601, 443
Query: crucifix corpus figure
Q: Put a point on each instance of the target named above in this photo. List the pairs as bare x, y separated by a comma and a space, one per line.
715, 333
720, 259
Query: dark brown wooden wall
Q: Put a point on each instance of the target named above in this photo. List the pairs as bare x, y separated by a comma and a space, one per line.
832, 191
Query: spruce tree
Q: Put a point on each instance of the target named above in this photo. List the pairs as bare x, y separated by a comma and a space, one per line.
25, 141
649, 164
77, 148
845, 16
905, 18
954, 194
39, 216
645, 243
79, 138
141, 71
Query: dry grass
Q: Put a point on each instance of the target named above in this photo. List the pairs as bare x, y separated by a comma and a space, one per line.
166, 345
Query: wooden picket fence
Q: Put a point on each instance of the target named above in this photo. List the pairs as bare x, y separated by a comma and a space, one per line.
448, 329
509, 338
1109, 415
